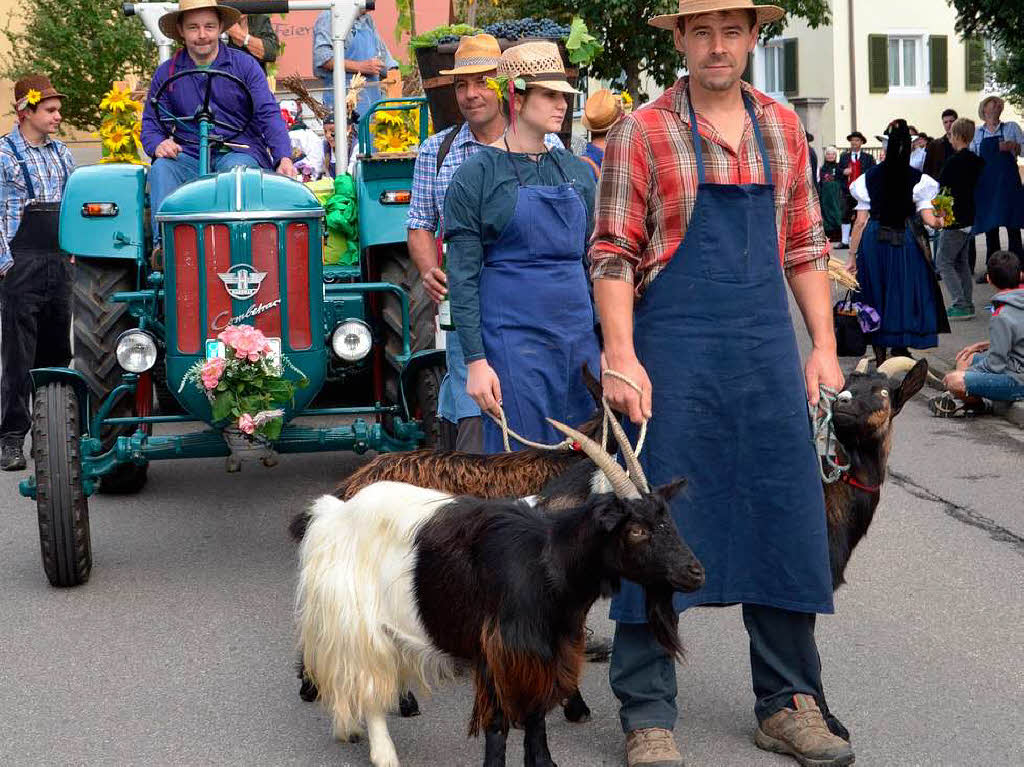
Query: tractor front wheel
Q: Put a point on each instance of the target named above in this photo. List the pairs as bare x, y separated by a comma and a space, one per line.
60, 499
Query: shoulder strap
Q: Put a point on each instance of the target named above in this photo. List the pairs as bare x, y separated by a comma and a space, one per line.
24, 168
593, 165
446, 147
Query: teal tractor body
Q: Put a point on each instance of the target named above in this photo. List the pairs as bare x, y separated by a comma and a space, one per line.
239, 247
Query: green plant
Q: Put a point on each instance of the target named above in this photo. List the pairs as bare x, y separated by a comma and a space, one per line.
82, 45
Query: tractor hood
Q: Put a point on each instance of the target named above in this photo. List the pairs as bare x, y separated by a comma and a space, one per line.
238, 195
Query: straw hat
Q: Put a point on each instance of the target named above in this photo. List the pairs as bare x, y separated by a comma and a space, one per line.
539, 64
765, 13
476, 54
602, 111
985, 102
169, 21
32, 89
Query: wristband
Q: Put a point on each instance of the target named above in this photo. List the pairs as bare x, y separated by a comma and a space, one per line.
245, 42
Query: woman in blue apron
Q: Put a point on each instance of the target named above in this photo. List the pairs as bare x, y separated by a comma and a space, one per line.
517, 218
998, 198
894, 263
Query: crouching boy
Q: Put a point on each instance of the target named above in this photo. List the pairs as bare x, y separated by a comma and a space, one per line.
992, 370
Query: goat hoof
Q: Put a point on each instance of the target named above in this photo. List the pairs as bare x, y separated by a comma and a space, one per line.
308, 691
576, 710
408, 705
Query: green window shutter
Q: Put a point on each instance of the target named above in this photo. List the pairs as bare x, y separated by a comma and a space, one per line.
975, 56
938, 59
878, 64
791, 83
748, 73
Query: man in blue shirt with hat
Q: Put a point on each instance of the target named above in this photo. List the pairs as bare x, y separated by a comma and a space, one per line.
197, 25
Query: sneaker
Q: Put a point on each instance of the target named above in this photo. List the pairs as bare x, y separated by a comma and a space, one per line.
802, 733
652, 747
596, 649
12, 458
956, 313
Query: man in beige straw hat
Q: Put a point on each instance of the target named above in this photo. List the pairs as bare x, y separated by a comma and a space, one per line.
197, 25
706, 204
439, 157
602, 112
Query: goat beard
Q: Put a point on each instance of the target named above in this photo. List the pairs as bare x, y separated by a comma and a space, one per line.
664, 620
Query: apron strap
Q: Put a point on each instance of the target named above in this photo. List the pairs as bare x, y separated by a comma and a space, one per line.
24, 168
748, 104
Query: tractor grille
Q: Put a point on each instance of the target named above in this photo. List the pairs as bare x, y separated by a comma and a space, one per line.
203, 306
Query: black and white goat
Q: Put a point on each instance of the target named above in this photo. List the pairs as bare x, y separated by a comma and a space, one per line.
399, 580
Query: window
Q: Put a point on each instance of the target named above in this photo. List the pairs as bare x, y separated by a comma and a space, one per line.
773, 67
905, 62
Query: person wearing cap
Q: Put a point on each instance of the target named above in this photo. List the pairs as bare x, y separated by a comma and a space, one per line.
516, 220
197, 25
852, 164
365, 54
706, 211
438, 159
919, 150
601, 113
35, 276
999, 196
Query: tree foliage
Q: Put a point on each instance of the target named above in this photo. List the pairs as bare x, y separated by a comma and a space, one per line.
632, 49
83, 46
1001, 22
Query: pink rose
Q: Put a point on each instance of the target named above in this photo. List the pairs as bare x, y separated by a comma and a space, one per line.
246, 423
211, 372
247, 342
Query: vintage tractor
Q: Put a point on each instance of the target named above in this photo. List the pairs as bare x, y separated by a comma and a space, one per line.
239, 247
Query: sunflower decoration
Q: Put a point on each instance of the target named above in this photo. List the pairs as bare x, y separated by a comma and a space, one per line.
626, 101
33, 97
395, 130
121, 128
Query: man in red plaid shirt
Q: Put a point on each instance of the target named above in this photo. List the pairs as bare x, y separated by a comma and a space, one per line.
706, 208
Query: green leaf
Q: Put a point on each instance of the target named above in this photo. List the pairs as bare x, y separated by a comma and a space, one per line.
272, 429
222, 406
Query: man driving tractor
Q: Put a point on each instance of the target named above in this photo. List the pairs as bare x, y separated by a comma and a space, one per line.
261, 139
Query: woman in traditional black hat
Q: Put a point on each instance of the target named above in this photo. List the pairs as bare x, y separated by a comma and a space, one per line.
893, 256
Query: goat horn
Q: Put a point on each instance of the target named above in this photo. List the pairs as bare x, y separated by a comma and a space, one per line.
896, 365
620, 481
636, 473
862, 366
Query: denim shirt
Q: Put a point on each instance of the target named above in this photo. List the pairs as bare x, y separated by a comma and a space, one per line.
362, 44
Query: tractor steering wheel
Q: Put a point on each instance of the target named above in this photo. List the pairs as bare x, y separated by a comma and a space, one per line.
170, 121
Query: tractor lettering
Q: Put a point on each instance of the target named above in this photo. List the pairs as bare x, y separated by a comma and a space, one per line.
224, 319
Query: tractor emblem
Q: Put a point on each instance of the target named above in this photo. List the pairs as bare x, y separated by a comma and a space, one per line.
241, 282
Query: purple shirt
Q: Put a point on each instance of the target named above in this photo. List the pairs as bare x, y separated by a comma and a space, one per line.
267, 135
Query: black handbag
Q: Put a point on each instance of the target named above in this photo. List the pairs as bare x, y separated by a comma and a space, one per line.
850, 340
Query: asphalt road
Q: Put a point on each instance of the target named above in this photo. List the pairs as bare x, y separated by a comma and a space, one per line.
180, 649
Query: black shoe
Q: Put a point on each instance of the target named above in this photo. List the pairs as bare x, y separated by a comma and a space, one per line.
597, 649
981, 279
12, 458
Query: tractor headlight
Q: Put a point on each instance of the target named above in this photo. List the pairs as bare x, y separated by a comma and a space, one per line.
136, 351
352, 340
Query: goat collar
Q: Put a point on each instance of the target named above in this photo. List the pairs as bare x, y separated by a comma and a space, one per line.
845, 477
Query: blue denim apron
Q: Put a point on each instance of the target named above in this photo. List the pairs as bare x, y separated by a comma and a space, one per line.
997, 196
537, 318
714, 333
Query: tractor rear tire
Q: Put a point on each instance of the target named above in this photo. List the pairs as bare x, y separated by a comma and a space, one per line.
98, 323
427, 393
60, 499
398, 268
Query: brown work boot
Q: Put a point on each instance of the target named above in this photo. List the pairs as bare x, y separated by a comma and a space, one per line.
652, 747
802, 733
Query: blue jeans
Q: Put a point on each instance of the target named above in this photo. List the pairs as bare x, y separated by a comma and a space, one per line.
1001, 387
167, 175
